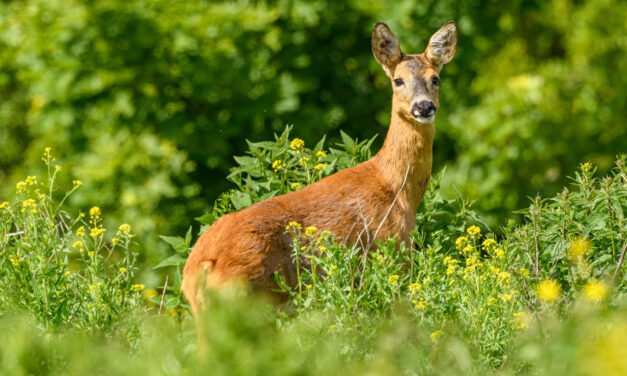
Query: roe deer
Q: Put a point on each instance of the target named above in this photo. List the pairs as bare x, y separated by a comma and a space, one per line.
381, 194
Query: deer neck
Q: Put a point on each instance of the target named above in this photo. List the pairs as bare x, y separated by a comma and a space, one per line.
408, 145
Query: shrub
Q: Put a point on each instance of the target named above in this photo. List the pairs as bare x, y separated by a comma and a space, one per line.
62, 268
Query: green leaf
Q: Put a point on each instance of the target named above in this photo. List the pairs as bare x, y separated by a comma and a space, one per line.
175, 260
241, 200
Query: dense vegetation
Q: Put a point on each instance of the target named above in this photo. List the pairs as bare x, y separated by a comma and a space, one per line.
546, 297
148, 100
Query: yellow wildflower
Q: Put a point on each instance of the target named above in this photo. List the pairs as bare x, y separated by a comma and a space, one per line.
321, 154
548, 290
77, 244
435, 335
293, 225
393, 279
461, 242
77, 183
31, 180
322, 248
420, 305
492, 301
310, 230
474, 231
47, 156
125, 229
523, 272
522, 319
415, 288
507, 297
14, 260
332, 269
115, 241
81, 231
468, 249
20, 187
595, 291
96, 232
499, 253
122, 270
67, 272
138, 287
578, 249
277, 165
320, 166
94, 212
487, 244
91, 254
303, 160
295, 186
297, 144
4, 205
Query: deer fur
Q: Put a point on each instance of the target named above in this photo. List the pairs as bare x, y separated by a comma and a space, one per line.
378, 197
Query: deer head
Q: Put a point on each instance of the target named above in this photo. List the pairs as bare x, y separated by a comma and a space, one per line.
415, 78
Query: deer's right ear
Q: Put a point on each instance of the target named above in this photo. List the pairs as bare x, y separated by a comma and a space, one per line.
386, 48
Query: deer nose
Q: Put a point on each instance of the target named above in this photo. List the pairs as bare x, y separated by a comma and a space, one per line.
423, 108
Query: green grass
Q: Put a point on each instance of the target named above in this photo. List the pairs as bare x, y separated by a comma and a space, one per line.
545, 296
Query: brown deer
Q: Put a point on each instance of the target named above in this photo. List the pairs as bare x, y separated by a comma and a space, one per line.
378, 197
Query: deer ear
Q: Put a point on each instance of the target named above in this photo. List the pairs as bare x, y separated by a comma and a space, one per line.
442, 45
386, 48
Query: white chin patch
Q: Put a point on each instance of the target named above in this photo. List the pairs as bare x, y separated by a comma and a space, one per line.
424, 119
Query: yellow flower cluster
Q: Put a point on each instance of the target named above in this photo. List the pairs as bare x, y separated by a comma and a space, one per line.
138, 287
461, 242
595, 291
47, 157
96, 232
332, 269
579, 247
303, 160
451, 265
29, 204
320, 154
278, 165
548, 290
80, 232
94, 212
295, 186
320, 166
414, 288
77, 183
393, 280
293, 225
522, 319
310, 230
15, 260
4, 205
419, 304
297, 144
124, 230
474, 231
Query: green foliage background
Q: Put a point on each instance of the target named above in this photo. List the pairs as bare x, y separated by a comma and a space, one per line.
147, 101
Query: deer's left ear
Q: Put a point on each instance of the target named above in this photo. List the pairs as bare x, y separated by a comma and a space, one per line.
442, 45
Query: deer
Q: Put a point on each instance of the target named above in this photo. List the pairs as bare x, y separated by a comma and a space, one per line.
381, 194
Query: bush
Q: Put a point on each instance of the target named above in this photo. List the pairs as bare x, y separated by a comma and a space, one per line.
61, 268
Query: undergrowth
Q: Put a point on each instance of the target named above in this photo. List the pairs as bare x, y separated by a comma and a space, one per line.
544, 296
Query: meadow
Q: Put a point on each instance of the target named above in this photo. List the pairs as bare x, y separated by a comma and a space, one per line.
545, 297
129, 127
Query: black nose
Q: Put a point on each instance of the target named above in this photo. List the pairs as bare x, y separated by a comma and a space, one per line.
423, 108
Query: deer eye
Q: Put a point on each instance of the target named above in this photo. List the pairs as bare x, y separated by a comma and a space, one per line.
435, 81
398, 82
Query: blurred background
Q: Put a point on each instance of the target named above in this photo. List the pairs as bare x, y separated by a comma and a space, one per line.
147, 101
